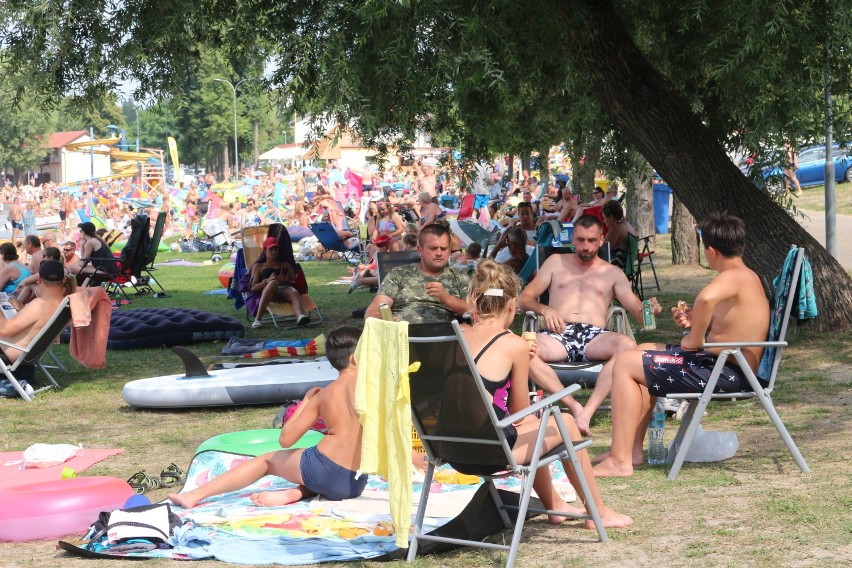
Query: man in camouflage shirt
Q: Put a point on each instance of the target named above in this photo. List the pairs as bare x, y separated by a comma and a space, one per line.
429, 291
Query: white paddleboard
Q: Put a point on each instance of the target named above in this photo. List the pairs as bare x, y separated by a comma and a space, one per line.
261, 384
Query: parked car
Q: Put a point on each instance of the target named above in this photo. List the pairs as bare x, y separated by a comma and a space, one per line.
811, 170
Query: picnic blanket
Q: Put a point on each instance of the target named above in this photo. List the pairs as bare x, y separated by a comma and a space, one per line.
268, 348
12, 474
229, 528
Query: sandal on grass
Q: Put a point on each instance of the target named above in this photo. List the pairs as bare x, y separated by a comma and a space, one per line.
171, 476
141, 483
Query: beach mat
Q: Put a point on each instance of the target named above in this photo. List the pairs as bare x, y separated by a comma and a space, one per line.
12, 474
229, 528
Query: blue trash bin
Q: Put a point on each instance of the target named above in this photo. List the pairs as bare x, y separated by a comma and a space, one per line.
662, 194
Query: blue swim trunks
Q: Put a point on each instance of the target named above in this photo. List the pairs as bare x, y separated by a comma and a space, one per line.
326, 478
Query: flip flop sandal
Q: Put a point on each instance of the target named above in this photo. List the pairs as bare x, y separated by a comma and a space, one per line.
141, 483
171, 476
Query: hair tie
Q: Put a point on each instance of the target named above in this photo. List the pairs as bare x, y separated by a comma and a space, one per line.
498, 292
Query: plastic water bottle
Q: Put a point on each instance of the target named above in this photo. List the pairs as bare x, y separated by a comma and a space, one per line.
656, 429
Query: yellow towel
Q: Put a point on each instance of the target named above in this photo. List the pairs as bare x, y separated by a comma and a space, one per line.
383, 403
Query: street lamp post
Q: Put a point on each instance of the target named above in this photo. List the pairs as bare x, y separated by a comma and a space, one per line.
138, 164
236, 149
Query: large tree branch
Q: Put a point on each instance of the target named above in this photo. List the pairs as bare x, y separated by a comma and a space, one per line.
655, 117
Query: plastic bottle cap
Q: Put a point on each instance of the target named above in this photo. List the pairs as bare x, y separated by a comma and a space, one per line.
68, 473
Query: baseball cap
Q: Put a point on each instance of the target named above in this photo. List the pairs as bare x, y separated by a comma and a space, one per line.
51, 271
270, 242
88, 227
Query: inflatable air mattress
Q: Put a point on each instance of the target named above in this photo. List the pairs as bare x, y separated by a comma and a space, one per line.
267, 383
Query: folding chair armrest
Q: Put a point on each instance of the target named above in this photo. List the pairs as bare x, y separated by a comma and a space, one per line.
12, 345
734, 344
543, 403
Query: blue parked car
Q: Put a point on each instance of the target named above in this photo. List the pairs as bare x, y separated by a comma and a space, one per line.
811, 170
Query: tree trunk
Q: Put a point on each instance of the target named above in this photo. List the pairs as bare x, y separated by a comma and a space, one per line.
657, 120
256, 142
640, 201
543, 162
684, 245
585, 154
510, 172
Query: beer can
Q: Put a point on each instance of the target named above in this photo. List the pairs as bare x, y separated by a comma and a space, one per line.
650, 321
385, 312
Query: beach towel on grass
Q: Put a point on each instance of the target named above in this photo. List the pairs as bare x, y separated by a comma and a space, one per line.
229, 528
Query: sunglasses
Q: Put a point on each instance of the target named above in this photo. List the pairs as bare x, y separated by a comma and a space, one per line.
68, 250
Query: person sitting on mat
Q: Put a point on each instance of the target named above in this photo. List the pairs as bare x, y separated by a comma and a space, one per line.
494, 291
329, 469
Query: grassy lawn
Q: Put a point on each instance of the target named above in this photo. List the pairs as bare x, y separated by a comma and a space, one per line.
813, 198
756, 509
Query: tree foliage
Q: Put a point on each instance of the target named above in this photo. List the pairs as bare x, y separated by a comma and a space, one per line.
679, 80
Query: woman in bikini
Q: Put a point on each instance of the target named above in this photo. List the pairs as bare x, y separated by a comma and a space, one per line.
275, 279
389, 223
503, 361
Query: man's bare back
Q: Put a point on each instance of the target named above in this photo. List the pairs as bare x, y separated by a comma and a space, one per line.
733, 307
21, 329
342, 444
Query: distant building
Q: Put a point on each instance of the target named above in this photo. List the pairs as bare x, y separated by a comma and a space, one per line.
63, 166
344, 149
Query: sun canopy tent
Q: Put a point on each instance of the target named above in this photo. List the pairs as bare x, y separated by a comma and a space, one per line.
283, 153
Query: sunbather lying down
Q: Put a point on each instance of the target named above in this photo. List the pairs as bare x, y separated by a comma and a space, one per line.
327, 469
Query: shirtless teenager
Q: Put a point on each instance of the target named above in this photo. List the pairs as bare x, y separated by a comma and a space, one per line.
329, 469
582, 287
733, 307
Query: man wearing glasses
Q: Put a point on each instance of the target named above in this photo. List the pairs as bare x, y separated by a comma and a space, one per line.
69, 253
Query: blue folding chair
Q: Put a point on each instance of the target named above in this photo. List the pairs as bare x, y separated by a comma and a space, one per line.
331, 241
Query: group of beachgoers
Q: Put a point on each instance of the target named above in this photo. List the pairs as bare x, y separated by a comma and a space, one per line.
581, 288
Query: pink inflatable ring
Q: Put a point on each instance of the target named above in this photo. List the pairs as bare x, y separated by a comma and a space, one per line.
58, 508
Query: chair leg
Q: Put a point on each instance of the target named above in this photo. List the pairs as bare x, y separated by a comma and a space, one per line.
696, 408
588, 500
654, 271
421, 513
498, 502
56, 360
769, 407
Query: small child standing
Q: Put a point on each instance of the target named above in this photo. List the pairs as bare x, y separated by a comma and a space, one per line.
327, 469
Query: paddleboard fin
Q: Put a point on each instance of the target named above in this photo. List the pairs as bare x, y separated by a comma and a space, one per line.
192, 365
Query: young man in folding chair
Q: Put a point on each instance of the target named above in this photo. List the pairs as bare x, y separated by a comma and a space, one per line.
733, 307
21, 329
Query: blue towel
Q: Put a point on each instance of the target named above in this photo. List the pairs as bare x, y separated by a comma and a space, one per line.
780, 289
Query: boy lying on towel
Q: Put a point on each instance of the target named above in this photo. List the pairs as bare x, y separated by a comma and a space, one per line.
327, 469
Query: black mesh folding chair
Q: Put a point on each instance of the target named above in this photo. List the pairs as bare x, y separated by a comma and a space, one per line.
453, 415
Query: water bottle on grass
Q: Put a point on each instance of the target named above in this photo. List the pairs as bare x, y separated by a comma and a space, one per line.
656, 429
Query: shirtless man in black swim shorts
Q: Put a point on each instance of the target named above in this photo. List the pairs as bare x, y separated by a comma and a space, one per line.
582, 287
733, 307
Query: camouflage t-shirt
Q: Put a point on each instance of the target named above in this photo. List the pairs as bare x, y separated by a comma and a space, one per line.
407, 286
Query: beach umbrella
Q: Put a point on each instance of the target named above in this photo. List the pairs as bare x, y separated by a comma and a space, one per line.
251, 181
223, 186
233, 195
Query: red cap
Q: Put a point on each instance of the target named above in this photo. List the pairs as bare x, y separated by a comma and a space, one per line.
270, 242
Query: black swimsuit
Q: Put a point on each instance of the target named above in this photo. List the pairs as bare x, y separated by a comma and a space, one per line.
499, 391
